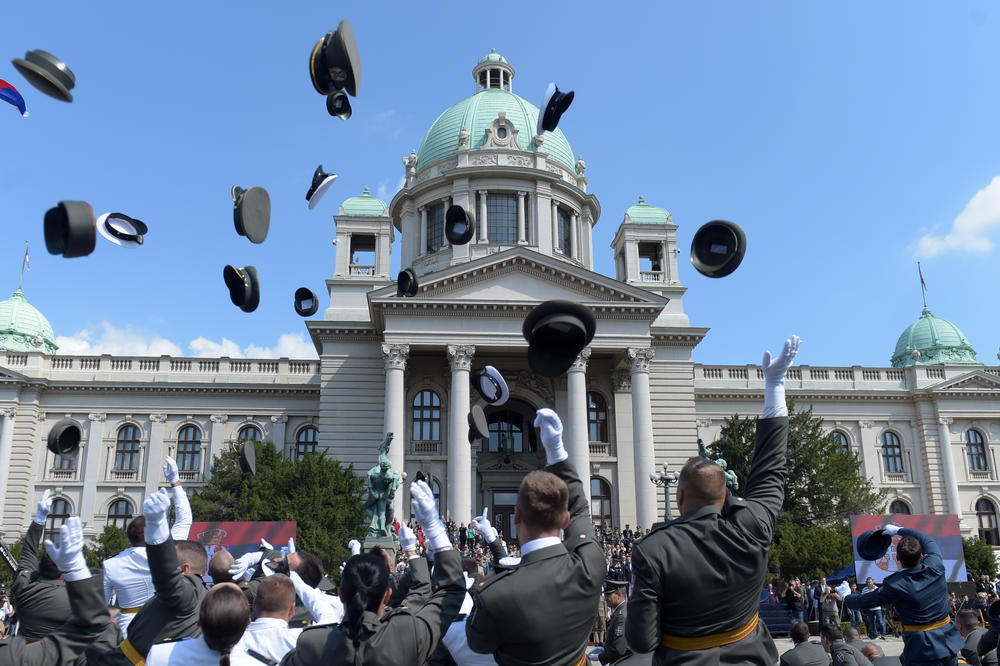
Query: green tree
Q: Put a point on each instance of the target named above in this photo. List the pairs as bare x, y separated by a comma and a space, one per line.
6, 576
321, 495
810, 552
979, 557
111, 541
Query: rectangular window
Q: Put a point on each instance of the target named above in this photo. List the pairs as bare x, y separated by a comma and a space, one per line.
435, 227
501, 218
565, 230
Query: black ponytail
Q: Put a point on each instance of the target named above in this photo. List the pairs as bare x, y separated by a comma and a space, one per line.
223, 616
363, 584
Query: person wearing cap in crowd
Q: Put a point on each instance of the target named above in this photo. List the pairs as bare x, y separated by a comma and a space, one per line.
555, 589
223, 616
841, 654
919, 593
178, 570
803, 652
42, 602
972, 631
127, 580
716, 549
408, 635
615, 647
269, 634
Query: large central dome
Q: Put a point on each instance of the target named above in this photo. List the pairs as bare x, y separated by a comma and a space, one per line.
477, 113
23, 328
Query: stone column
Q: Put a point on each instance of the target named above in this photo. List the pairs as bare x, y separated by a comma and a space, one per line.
483, 231
521, 233
278, 422
642, 435
948, 465
217, 439
90, 457
577, 435
573, 230
395, 357
6, 445
422, 250
154, 452
459, 483
555, 226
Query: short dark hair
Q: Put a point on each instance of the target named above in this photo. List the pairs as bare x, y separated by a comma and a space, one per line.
702, 480
543, 499
908, 551
218, 566
852, 633
194, 554
275, 594
309, 567
136, 531
967, 618
831, 632
799, 631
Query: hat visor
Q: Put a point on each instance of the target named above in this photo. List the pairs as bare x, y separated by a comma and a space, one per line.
254, 298
43, 80
478, 426
549, 92
491, 385
555, 108
130, 244
317, 194
238, 289
347, 48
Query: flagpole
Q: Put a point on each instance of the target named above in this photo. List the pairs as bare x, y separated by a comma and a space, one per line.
21, 281
923, 285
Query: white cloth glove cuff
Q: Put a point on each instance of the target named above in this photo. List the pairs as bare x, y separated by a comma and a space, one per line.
77, 569
556, 454
157, 532
774, 401
436, 536
41, 517
490, 535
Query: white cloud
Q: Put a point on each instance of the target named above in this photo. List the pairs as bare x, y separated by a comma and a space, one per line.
969, 231
384, 193
105, 338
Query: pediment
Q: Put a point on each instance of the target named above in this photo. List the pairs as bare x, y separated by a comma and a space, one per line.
9, 375
977, 380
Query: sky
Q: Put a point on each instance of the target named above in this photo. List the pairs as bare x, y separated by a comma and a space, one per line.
850, 140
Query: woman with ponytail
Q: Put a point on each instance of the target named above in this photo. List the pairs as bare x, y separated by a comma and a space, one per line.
223, 617
367, 636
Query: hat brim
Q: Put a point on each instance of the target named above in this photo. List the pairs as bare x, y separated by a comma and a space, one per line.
70, 229
122, 242
552, 360
64, 437
254, 299
873, 544
722, 234
317, 194
248, 457
42, 79
479, 428
497, 382
304, 294
252, 214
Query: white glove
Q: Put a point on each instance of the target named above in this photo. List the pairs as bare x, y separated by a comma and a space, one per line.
244, 562
155, 510
483, 526
342, 565
69, 555
44, 507
550, 428
596, 653
891, 530
291, 546
170, 471
355, 547
422, 503
407, 538
774, 378
265, 545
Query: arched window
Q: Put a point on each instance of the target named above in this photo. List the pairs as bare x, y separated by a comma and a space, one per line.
899, 506
501, 217
975, 450
120, 513
600, 501
127, 449
249, 433
189, 449
306, 442
597, 417
57, 517
892, 453
565, 229
435, 227
64, 463
841, 440
986, 512
426, 417
508, 432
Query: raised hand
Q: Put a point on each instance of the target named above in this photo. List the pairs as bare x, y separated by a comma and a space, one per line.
355, 547
422, 503
774, 369
244, 562
44, 507
170, 471
155, 510
407, 539
483, 526
550, 428
68, 556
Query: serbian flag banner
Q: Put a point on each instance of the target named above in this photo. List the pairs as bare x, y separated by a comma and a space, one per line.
944, 529
242, 537
9, 94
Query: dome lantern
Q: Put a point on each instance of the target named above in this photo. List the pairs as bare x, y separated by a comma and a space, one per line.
493, 72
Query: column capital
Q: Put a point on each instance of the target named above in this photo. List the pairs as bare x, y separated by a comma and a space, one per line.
621, 380
580, 364
945, 420
521, 194
395, 356
483, 192
460, 357
639, 358
219, 418
8, 412
279, 418
158, 418
421, 209
97, 417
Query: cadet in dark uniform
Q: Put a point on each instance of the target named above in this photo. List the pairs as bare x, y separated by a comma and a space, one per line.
803, 652
178, 571
717, 549
88, 614
368, 634
615, 647
542, 610
42, 602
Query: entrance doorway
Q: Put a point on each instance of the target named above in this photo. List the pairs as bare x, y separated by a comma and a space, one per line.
502, 508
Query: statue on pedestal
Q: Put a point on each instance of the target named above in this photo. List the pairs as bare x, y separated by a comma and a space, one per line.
382, 486
731, 481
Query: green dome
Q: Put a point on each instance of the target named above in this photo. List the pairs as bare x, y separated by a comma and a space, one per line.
493, 56
643, 213
938, 341
475, 114
23, 328
365, 205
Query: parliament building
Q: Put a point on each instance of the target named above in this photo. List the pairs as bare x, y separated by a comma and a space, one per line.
926, 428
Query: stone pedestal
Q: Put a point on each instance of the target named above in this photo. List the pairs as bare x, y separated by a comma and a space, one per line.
389, 544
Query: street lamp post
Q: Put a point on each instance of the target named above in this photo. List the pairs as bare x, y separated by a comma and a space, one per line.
665, 479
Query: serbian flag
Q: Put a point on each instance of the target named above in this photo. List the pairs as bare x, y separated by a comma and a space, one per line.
9, 94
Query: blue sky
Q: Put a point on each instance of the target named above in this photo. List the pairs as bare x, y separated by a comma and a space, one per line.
848, 139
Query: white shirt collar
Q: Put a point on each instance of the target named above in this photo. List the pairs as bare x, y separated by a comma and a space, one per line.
536, 544
269, 622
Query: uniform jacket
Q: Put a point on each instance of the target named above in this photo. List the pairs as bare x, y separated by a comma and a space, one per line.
42, 603
269, 636
615, 646
842, 654
806, 654
126, 575
970, 652
702, 573
920, 596
88, 618
407, 635
302, 617
194, 652
542, 611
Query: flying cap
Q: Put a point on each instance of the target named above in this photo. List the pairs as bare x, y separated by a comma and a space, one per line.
335, 63
321, 182
122, 230
338, 105
478, 427
306, 302
244, 287
872, 545
490, 384
47, 73
459, 225
554, 103
718, 248
64, 437
251, 212
70, 229
406, 283
557, 331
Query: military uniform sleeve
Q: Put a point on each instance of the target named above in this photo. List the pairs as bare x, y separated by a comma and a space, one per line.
497, 550
171, 586
869, 599
766, 484
642, 624
440, 610
29, 549
580, 539
108, 585
418, 582
615, 646
480, 627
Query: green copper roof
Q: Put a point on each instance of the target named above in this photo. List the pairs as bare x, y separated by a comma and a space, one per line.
643, 213
938, 340
493, 56
23, 328
478, 112
366, 204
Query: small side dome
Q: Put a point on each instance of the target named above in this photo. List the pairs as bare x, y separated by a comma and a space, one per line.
938, 340
643, 213
366, 206
23, 328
